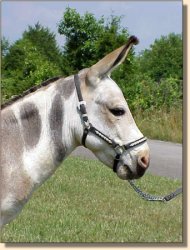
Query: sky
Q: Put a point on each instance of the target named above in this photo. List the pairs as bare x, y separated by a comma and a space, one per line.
148, 20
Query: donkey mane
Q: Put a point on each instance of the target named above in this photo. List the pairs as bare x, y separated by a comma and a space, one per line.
28, 91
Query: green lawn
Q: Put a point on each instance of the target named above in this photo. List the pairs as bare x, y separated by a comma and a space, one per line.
84, 201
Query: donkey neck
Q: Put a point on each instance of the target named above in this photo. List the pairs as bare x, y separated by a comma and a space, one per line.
47, 125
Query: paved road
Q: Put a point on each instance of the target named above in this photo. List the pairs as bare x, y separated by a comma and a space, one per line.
166, 158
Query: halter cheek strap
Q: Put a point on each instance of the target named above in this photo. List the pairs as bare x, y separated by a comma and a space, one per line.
89, 128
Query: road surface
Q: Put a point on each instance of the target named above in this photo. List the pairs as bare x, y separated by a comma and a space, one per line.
166, 158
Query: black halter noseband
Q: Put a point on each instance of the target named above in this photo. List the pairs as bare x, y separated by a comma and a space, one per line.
88, 128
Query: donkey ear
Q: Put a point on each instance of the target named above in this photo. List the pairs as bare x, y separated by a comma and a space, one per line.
106, 65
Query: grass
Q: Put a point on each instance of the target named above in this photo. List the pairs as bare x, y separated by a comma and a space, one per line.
85, 202
161, 125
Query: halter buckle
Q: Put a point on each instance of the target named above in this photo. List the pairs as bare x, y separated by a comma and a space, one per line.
82, 109
80, 104
86, 123
119, 149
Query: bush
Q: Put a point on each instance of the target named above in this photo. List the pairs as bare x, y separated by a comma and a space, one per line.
143, 94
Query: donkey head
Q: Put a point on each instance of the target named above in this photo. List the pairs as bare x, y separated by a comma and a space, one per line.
108, 111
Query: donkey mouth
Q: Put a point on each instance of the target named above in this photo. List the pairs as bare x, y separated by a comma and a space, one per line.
140, 171
130, 175
125, 173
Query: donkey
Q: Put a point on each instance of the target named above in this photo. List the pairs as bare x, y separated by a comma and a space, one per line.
40, 128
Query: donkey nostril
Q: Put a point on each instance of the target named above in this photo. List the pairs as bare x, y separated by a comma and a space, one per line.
143, 161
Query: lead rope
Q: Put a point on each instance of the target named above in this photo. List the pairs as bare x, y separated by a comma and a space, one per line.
150, 197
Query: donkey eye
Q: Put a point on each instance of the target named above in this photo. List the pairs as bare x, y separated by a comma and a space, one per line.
117, 111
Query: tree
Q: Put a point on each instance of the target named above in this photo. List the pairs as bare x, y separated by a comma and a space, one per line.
81, 32
4, 50
158, 79
164, 58
27, 63
4, 47
45, 42
89, 39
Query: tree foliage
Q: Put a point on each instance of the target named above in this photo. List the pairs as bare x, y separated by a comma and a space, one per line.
4, 47
89, 39
158, 79
164, 58
44, 41
29, 61
151, 80
145, 94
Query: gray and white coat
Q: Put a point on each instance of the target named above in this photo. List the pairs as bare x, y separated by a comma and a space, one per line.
40, 129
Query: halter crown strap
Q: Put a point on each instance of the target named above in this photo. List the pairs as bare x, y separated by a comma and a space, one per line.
82, 103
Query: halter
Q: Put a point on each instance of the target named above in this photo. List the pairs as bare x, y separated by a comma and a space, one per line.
119, 149
89, 128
